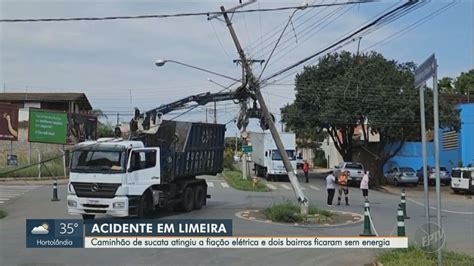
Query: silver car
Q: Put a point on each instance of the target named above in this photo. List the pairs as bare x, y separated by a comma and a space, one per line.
402, 175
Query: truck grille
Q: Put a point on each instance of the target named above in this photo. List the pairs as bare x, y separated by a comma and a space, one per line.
95, 190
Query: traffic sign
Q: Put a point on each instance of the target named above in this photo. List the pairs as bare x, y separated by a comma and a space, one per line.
425, 71
247, 149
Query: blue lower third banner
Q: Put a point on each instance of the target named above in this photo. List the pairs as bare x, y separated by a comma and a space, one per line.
48, 233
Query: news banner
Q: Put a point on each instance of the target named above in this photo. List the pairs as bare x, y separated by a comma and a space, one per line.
168, 233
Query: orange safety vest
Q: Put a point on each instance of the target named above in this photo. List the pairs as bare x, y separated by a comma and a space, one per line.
342, 180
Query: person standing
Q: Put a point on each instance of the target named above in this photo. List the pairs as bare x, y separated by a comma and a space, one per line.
364, 185
306, 170
331, 188
342, 180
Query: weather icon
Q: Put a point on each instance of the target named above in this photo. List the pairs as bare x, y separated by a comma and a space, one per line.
40, 230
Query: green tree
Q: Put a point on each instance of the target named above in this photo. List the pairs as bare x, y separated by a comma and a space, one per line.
465, 82
446, 85
344, 91
104, 129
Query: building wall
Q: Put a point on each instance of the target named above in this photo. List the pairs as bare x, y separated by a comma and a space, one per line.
467, 133
410, 155
331, 153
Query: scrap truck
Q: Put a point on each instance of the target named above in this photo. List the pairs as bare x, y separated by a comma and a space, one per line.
155, 167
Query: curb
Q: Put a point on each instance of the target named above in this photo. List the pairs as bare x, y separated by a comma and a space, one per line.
360, 220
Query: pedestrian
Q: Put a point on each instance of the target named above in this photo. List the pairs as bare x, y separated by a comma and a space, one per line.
342, 180
330, 187
364, 185
306, 170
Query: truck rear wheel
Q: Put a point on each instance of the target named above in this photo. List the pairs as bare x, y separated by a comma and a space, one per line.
199, 197
188, 199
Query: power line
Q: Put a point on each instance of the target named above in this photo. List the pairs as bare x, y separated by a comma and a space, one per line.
380, 19
177, 15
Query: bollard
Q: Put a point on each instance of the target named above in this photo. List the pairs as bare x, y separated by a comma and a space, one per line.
404, 205
400, 222
367, 227
55, 191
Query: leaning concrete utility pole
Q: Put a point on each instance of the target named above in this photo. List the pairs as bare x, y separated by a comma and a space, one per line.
255, 86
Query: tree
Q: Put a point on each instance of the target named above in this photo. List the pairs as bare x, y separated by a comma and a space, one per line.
445, 85
345, 91
104, 129
465, 82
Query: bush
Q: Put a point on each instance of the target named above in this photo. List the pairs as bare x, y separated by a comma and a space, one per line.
285, 212
3, 213
289, 212
229, 159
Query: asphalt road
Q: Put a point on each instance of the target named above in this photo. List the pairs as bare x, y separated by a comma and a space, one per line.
34, 202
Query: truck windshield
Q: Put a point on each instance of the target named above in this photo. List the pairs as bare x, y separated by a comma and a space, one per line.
98, 161
277, 157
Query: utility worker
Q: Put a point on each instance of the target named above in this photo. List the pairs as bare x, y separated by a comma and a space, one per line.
306, 170
342, 181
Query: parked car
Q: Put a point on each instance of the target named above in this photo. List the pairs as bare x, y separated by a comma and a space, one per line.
356, 171
299, 162
444, 175
402, 175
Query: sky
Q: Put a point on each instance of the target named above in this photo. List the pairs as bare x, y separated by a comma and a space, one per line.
113, 61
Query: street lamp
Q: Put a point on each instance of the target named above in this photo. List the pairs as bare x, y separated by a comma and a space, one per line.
162, 62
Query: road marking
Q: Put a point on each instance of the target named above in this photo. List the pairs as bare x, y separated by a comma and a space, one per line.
434, 208
315, 188
10, 194
1, 202
224, 185
303, 188
210, 184
285, 186
270, 186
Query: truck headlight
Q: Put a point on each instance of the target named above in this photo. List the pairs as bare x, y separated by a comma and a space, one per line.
118, 205
71, 203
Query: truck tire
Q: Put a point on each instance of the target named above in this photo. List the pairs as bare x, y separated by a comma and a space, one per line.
199, 197
145, 205
88, 216
187, 203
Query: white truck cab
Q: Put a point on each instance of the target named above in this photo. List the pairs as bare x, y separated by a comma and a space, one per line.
106, 174
462, 179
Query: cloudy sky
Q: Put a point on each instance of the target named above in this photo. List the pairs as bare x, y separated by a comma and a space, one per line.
113, 61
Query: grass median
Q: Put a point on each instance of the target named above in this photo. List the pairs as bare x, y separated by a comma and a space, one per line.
234, 179
3, 213
414, 256
289, 212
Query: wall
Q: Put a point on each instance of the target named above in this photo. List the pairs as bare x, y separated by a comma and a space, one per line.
467, 133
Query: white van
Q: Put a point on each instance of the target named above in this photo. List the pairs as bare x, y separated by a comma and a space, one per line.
462, 179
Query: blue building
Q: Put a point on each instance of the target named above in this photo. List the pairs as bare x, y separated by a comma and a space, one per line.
454, 146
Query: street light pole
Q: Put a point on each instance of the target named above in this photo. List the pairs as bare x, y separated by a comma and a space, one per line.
250, 79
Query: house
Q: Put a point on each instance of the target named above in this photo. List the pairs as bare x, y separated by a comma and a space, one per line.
62, 101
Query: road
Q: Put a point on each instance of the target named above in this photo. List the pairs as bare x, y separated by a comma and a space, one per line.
34, 202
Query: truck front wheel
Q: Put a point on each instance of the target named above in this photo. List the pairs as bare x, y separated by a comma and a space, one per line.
145, 208
199, 197
188, 199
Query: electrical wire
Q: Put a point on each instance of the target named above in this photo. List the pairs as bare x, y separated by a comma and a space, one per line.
177, 14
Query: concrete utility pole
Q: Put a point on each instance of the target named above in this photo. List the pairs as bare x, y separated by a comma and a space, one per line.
255, 86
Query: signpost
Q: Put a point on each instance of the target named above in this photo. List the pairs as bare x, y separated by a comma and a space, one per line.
247, 149
427, 70
47, 126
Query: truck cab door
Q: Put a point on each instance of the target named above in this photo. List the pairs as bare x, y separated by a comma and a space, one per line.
143, 166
